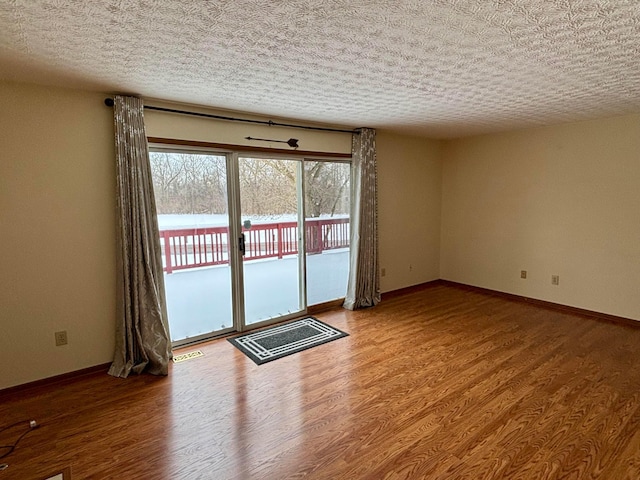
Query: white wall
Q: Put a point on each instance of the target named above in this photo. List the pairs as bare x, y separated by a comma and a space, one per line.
409, 206
57, 231
562, 200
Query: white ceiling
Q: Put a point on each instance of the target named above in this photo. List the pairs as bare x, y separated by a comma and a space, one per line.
443, 68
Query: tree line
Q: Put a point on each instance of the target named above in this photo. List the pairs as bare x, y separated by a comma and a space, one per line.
197, 184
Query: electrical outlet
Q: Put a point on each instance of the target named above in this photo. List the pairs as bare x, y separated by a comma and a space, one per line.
61, 338
523, 274
555, 279
383, 272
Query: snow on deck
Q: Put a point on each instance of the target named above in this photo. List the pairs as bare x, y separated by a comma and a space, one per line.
199, 299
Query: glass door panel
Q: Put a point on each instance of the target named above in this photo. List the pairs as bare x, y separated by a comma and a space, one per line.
271, 218
327, 197
192, 204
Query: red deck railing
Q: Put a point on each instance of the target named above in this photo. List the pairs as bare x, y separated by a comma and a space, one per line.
201, 247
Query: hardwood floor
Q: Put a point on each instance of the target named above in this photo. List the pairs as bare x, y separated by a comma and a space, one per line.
441, 383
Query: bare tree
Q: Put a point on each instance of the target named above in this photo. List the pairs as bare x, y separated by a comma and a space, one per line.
186, 183
189, 183
268, 187
326, 188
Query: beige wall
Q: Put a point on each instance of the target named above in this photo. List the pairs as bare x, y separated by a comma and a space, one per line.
57, 218
562, 200
409, 199
559, 200
57, 227
167, 125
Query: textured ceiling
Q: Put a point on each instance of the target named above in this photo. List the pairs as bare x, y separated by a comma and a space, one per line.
444, 68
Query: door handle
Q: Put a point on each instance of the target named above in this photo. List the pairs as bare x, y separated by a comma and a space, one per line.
241, 244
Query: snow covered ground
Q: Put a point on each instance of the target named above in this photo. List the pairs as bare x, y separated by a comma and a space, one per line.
199, 299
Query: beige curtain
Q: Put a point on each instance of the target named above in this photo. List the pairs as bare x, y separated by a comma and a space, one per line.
142, 340
363, 288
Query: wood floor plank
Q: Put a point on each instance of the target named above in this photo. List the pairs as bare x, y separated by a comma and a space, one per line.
437, 383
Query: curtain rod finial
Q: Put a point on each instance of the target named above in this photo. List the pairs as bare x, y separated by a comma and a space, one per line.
108, 102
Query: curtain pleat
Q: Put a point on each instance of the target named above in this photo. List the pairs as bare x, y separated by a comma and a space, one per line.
363, 288
142, 340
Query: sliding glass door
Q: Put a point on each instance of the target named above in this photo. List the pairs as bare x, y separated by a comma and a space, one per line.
231, 235
192, 201
246, 240
271, 224
327, 229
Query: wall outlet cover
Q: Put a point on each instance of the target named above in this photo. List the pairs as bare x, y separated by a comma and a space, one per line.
61, 338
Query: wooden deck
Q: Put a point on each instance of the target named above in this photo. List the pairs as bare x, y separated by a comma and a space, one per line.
442, 383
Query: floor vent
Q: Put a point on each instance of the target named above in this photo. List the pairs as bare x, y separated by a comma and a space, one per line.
187, 356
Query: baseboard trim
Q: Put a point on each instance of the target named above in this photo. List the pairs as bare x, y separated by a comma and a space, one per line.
55, 380
628, 322
323, 307
411, 289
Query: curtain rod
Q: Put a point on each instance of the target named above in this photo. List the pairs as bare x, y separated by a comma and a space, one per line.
109, 103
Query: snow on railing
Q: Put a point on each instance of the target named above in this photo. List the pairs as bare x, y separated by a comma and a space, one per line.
201, 247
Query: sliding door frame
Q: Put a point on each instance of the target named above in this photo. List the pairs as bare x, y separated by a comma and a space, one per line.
242, 325
233, 153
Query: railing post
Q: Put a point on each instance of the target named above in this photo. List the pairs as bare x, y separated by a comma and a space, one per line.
280, 240
319, 235
167, 251
310, 235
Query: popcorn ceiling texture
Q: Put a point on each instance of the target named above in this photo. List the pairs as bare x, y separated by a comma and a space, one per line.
441, 68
